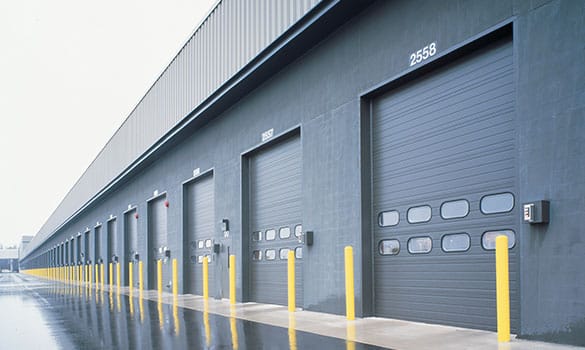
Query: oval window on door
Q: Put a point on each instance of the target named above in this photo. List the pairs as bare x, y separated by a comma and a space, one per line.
420, 245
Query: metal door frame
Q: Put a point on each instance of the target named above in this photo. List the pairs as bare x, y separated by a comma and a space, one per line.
242, 256
501, 30
184, 235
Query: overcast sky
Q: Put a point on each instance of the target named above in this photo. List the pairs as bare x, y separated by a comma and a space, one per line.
70, 73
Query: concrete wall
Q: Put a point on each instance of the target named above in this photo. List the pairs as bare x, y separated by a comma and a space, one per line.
321, 93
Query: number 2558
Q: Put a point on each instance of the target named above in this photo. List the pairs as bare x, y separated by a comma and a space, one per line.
423, 54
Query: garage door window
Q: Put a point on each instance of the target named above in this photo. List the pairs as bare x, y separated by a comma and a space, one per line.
455, 209
284, 253
388, 218
299, 252
497, 203
257, 255
257, 236
419, 214
270, 254
389, 247
420, 245
298, 230
284, 232
488, 240
270, 235
457, 242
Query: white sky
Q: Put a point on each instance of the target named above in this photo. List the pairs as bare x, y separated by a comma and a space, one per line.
70, 73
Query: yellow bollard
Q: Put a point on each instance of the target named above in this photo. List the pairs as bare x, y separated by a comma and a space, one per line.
111, 275
233, 328
292, 332
141, 305
118, 265
159, 276
87, 273
102, 275
140, 278
206, 322
97, 275
502, 289
80, 274
175, 278
232, 279
161, 320
205, 278
130, 275
176, 322
291, 281
349, 284
350, 336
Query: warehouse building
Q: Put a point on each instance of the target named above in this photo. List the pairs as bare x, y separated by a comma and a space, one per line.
414, 131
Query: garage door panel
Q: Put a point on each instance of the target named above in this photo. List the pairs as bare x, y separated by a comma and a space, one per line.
446, 136
158, 239
451, 115
200, 231
275, 203
437, 87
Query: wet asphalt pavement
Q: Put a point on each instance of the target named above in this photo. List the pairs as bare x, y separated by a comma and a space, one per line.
38, 314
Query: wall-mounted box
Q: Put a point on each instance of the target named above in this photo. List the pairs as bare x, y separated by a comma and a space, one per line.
537, 212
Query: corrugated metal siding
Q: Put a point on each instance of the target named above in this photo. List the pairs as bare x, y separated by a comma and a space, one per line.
230, 37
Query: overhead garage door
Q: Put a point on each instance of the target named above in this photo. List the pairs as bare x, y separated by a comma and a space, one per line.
199, 211
130, 246
112, 253
444, 185
157, 241
275, 220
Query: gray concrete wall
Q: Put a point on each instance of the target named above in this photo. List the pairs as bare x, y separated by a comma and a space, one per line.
551, 125
321, 93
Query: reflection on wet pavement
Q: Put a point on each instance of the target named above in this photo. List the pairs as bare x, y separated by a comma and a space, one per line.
52, 315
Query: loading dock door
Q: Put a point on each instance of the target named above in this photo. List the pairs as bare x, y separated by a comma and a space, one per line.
157, 241
113, 254
98, 245
130, 247
199, 211
275, 216
444, 185
78, 248
86, 248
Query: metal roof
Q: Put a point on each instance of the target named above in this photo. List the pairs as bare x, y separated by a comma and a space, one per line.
231, 36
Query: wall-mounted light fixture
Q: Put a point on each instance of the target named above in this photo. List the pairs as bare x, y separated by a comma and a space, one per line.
225, 225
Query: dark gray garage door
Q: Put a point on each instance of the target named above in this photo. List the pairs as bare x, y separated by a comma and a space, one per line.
199, 225
130, 246
275, 217
157, 241
86, 248
112, 253
98, 245
444, 185
78, 248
